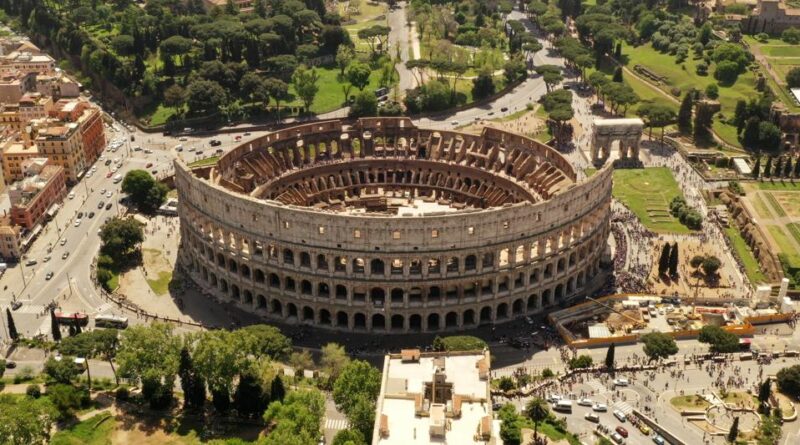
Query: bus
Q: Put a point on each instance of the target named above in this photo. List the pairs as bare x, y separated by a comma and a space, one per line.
74, 319
563, 406
111, 321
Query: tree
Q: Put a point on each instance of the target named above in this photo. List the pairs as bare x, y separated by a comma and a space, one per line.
617, 77
120, 236
296, 419
727, 72
764, 390
24, 421
375, 36
276, 389
344, 55
301, 361
349, 437
123, 44
703, 118
710, 265
740, 114
656, 115
696, 261
788, 380
358, 75
658, 345
219, 357
663, 260
264, 340
719, 340
150, 355
551, 75
750, 136
364, 104
685, 113
583, 361
734, 431
334, 360
358, 377
144, 191
768, 168
610, 356
66, 399
769, 136
174, 96
673, 260
305, 85
515, 69
61, 371
712, 91
362, 414
278, 90
192, 384
483, 85
249, 398
205, 96
55, 328
12, 327
175, 46
537, 410
793, 77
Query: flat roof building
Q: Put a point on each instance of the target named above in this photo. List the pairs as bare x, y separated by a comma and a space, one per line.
43, 186
435, 397
10, 240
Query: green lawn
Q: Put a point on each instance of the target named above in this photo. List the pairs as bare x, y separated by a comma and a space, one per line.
684, 76
162, 114
113, 283
330, 96
204, 162
751, 267
782, 239
779, 185
695, 402
551, 432
94, 431
776, 206
160, 286
648, 192
781, 50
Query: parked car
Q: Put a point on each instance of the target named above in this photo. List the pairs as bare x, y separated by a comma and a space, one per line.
65, 255
592, 417
619, 415
91, 215
617, 438
585, 402
622, 431
100, 205
49, 275
621, 382
31, 262
658, 439
108, 206
600, 407
16, 305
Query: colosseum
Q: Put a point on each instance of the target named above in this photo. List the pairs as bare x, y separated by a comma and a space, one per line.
378, 225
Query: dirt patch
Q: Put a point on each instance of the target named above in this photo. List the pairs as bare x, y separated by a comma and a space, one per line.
155, 262
175, 431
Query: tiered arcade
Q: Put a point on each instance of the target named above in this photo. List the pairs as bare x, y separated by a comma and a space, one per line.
378, 225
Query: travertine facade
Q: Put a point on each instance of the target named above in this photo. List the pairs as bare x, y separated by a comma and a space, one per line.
378, 225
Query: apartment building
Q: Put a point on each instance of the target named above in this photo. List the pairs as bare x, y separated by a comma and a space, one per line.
43, 186
14, 154
10, 240
62, 143
90, 119
14, 84
29, 62
34, 105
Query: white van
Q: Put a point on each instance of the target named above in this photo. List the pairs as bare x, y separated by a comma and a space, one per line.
563, 406
117, 178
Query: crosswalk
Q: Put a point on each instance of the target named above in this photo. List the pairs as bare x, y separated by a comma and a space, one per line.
624, 407
597, 387
336, 424
103, 308
31, 309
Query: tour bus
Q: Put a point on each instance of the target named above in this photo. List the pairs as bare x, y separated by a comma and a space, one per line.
111, 321
74, 319
563, 406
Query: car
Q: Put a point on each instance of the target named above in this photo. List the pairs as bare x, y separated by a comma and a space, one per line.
491, 113
619, 415
622, 431
644, 429
109, 194
585, 402
63, 241
114, 169
247, 133
238, 137
553, 398
108, 162
46, 259
154, 171
31, 262
65, 255
137, 148
592, 417
109, 174
100, 204
102, 157
71, 195
80, 215
11, 364
147, 151
215, 143
16, 305
600, 407
49, 275
190, 149
658, 439
621, 382
94, 168
617, 438
183, 139
91, 215
89, 174
504, 109
77, 222
454, 123
108, 206
149, 164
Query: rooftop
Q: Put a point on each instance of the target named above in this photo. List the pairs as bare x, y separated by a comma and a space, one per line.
435, 397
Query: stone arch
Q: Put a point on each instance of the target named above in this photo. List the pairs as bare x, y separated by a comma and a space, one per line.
397, 322
236, 294
308, 314
288, 256
289, 284
306, 288
486, 314
559, 292
433, 321
518, 307
292, 310
261, 301
434, 293
275, 307
547, 297
360, 321
274, 280
532, 303
342, 319
221, 260
502, 311
259, 276
397, 296
470, 262
323, 290
415, 322
248, 297
378, 322
468, 318
377, 296
341, 292
244, 270
223, 285
451, 320
322, 262
358, 265
305, 260
377, 267
452, 264
324, 317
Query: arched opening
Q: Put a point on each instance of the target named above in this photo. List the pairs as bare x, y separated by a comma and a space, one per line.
340, 264
308, 314
288, 257
451, 320
322, 262
502, 311
341, 319
358, 265
559, 294
532, 303
561, 265
323, 290
502, 284
488, 260
415, 322
220, 260
486, 314
415, 295
259, 276
397, 296
434, 293
274, 280
245, 271
452, 264
261, 301
415, 268
517, 307
378, 322
433, 322
292, 310
377, 296
305, 260
235, 293
397, 322
290, 285
360, 321
470, 262
434, 266
275, 307
376, 267
534, 276
547, 298
223, 285
469, 317
341, 292
397, 267
306, 288
324, 317
248, 297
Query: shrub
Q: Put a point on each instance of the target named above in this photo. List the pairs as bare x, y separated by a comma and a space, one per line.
33, 391
764, 37
122, 393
